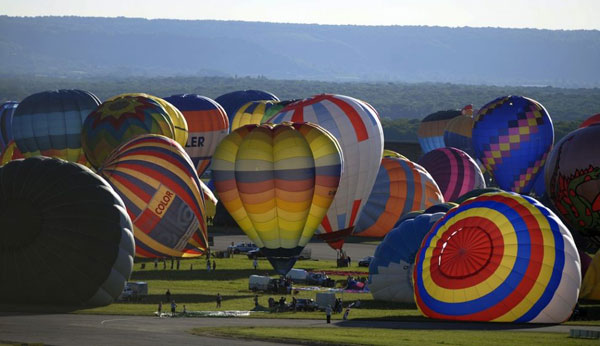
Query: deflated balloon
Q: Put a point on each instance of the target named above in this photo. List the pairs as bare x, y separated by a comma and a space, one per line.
277, 182
161, 190
207, 124
50, 123
401, 186
64, 233
232, 101
431, 130
455, 172
115, 122
355, 124
7, 110
512, 137
390, 271
573, 181
499, 257
178, 121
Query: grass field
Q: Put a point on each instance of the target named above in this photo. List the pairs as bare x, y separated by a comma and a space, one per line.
393, 337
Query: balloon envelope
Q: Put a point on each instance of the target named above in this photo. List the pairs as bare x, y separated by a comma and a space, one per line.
355, 124
432, 127
498, 257
572, 176
455, 172
232, 101
115, 122
458, 134
401, 186
277, 182
594, 119
64, 234
161, 190
207, 124
49, 123
11, 152
7, 110
512, 136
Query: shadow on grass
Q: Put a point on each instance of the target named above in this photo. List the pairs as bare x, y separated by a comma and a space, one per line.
202, 275
187, 298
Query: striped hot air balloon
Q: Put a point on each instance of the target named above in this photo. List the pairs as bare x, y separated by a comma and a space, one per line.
455, 172
180, 127
431, 130
50, 123
232, 101
355, 124
277, 182
458, 134
115, 122
401, 186
207, 124
162, 193
7, 110
499, 257
257, 112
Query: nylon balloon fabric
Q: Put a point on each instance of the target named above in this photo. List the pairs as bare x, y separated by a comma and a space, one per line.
207, 125
11, 152
232, 101
7, 109
458, 134
455, 172
499, 257
390, 271
277, 182
115, 122
65, 237
572, 176
49, 123
431, 130
162, 193
401, 186
355, 124
512, 137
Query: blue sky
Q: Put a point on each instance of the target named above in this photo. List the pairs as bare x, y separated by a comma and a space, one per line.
543, 14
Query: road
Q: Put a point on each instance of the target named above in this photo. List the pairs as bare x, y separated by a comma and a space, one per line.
74, 329
320, 250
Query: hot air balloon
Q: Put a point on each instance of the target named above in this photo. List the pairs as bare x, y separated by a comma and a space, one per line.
11, 152
512, 136
207, 123
49, 123
162, 193
257, 112
277, 182
7, 110
390, 271
455, 172
180, 126
355, 124
114, 123
431, 130
499, 257
210, 203
391, 153
573, 181
594, 119
64, 234
458, 134
590, 287
401, 186
232, 101
475, 193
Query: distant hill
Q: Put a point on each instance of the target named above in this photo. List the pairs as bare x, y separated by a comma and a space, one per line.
79, 46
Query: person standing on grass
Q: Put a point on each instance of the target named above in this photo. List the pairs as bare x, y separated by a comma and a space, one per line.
207, 265
159, 308
214, 265
219, 299
328, 313
173, 308
255, 263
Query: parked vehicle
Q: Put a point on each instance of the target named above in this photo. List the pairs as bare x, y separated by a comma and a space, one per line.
305, 304
365, 261
325, 298
134, 291
260, 283
297, 275
242, 248
320, 279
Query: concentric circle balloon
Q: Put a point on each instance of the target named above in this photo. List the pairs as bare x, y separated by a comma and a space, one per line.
65, 237
115, 122
512, 137
455, 172
49, 123
498, 257
161, 190
573, 181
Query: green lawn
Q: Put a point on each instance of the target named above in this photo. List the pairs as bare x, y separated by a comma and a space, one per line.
393, 337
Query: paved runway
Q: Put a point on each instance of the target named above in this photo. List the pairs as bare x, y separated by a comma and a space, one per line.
89, 330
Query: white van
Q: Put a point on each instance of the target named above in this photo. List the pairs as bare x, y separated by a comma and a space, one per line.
297, 275
259, 283
325, 298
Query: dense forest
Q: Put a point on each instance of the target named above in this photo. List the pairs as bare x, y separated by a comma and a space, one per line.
400, 105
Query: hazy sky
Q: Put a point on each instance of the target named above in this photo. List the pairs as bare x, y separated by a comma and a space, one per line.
546, 14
